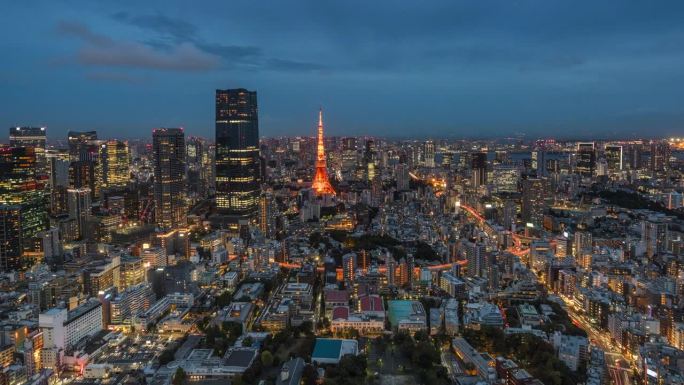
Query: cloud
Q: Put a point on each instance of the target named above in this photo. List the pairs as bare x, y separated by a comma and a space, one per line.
99, 50
184, 57
243, 54
235, 56
179, 30
114, 77
81, 31
293, 66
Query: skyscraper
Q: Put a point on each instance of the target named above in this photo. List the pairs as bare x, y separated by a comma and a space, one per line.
586, 159
660, 156
349, 155
321, 184
369, 159
82, 175
613, 154
79, 208
24, 209
475, 254
10, 238
79, 143
533, 200
198, 173
237, 154
429, 153
479, 169
539, 162
168, 146
31, 137
633, 156
402, 176
116, 163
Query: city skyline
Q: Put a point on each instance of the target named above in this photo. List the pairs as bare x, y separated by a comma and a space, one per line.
495, 194
608, 69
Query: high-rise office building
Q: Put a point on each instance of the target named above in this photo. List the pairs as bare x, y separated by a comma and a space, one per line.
31, 137
197, 171
168, 146
478, 165
539, 162
82, 175
10, 238
24, 206
369, 159
267, 213
586, 159
58, 166
633, 156
534, 193
429, 153
506, 178
349, 155
115, 163
79, 208
79, 143
660, 156
475, 253
237, 155
613, 155
402, 176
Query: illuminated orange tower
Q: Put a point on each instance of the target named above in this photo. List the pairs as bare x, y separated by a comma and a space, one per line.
321, 185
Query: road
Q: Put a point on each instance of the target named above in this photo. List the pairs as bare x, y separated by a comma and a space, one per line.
451, 365
619, 369
618, 366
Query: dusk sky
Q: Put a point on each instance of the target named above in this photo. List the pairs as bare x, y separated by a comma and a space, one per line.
390, 68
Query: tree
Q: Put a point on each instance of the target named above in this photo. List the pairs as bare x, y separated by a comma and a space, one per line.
350, 370
180, 377
267, 358
309, 375
248, 341
232, 330
237, 380
166, 356
224, 299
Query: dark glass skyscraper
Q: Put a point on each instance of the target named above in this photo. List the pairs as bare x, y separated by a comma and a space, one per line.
23, 209
31, 137
237, 154
79, 143
586, 159
169, 177
478, 162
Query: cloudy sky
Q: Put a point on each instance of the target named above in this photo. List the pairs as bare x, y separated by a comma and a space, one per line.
394, 68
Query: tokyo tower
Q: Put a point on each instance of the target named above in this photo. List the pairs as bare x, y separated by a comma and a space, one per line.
321, 185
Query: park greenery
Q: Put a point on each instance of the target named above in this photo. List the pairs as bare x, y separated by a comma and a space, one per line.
534, 354
350, 371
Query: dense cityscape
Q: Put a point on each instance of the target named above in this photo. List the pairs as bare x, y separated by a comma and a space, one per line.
388, 192
176, 259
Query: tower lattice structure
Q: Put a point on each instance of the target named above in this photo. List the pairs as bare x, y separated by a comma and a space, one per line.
321, 185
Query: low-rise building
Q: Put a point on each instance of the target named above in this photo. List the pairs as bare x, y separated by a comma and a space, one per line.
407, 315
331, 350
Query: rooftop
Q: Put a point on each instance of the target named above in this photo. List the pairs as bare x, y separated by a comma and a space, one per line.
327, 348
404, 309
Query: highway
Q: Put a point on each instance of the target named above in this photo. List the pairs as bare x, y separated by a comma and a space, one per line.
618, 366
